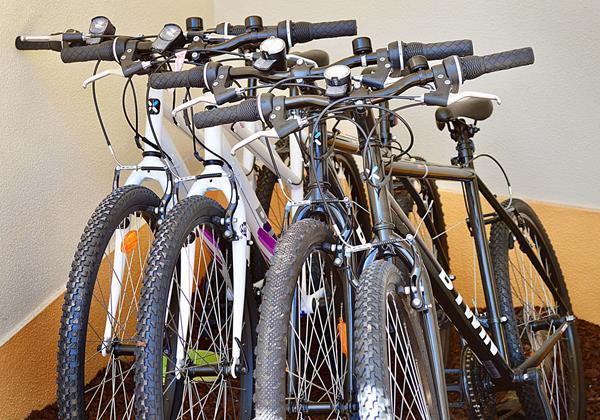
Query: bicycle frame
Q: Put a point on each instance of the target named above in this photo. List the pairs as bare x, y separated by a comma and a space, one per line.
152, 167
248, 220
490, 350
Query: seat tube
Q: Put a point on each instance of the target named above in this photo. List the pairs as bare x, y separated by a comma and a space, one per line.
477, 224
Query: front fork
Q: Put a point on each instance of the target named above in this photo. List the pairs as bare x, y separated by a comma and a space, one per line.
240, 252
217, 180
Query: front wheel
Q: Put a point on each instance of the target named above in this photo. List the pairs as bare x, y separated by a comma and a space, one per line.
302, 351
97, 332
393, 374
185, 322
534, 311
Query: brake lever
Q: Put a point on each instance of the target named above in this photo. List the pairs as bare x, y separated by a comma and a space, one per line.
117, 72
455, 97
207, 98
102, 75
269, 134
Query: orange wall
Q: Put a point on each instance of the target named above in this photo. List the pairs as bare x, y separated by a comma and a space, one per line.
575, 235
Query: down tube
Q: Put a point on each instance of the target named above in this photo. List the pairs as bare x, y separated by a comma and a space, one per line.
460, 314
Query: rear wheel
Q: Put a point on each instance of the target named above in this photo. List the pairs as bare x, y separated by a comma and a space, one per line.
97, 333
535, 310
185, 322
393, 375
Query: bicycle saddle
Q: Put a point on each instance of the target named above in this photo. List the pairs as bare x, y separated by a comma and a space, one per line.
319, 56
476, 108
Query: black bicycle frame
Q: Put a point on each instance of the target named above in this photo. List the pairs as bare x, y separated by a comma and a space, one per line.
489, 350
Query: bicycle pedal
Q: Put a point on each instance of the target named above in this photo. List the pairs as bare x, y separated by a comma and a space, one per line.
456, 396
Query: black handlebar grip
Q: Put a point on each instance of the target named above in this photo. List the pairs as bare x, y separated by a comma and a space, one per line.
437, 50
305, 31
192, 78
33, 45
244, 111
473, 67
102, 51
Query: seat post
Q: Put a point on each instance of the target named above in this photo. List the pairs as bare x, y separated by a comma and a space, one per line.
463, 133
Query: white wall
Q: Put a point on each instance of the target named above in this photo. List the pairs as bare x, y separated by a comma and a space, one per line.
545, 133
55, 167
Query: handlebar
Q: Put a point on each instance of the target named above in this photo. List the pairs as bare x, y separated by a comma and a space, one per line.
304, 31
470, 67
244, 111
102, 51
299, 32
432, 51
438, 50
188, 78
474, 66
291, 32
400, 52
21, 43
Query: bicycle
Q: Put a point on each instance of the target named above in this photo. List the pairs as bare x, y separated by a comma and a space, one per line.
391, 342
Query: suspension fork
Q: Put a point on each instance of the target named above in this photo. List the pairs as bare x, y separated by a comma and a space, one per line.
116, 284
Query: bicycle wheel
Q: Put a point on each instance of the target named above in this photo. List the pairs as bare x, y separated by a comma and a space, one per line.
97, 332
301, 366
185, 321
533, 314
273, 200
393, 376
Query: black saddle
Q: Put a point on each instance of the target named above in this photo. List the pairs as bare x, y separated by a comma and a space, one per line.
318, 56
477, 109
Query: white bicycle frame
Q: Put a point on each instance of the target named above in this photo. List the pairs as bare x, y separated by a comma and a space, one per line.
248, 214
248, 220
154, 168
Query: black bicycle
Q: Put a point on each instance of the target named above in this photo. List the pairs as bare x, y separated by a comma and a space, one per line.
339, 337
